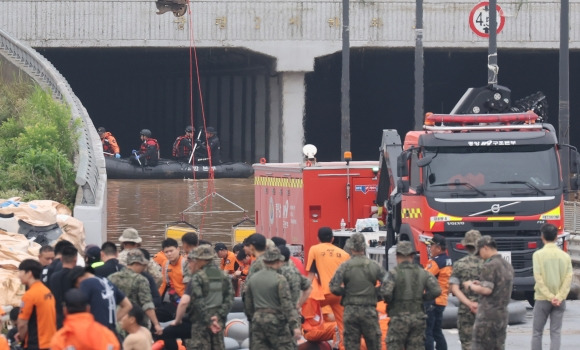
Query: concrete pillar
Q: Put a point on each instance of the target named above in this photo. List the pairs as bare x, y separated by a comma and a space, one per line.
293, 100
288, 94
94, 217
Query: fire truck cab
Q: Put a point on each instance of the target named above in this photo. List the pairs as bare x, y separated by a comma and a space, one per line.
497, 173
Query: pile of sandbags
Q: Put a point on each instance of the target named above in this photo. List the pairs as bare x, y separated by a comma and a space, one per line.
24, 228
14, 248
42, 221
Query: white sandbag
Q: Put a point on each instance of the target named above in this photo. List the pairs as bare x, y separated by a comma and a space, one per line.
237, 329
231, 344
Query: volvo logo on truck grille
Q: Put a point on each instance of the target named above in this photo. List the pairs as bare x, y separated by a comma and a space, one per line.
495, 208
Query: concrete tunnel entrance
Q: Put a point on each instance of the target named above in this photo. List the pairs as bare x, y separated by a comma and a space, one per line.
126, 90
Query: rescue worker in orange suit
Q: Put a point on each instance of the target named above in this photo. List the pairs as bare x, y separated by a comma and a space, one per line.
172, 272
440, 266
183, 145
229, 263
323, 261
148, 154
80, 330
110, 147
210, 149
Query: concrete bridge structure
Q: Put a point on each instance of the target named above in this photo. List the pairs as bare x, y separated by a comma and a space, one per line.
274, 44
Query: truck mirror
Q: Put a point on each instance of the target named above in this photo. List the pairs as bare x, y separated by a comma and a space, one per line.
402, 167
403, 186
425, 161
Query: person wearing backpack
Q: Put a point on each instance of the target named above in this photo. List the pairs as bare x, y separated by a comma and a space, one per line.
212, 296
355, 281
136, 287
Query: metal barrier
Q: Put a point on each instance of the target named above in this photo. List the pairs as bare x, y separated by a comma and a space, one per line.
89, 162
574, 249
572, 225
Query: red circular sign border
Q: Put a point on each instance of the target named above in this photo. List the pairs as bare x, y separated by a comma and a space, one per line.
472, 14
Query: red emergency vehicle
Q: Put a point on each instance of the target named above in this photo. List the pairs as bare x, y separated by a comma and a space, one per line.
293, 200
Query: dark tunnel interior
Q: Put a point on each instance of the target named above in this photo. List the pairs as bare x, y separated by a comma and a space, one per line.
126, 90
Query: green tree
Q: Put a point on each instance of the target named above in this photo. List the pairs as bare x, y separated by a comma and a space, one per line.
38, 141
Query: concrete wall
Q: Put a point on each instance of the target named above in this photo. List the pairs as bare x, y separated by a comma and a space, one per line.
277, 27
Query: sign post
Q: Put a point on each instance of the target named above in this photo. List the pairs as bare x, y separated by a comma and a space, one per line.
479, 19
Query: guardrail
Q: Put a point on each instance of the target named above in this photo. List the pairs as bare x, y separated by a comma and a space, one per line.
89, 162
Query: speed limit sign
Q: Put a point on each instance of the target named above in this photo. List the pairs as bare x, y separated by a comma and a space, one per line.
479, 19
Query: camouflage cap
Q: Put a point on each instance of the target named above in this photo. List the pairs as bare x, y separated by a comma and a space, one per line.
135, 256
202, 252
405, 248
471, 238
485, 241
272, 255
130, 235
358, 242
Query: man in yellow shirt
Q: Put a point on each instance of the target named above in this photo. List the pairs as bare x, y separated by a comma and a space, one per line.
323, 261
553, 275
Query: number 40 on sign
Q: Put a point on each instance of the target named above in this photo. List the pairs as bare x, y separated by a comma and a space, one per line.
479, 19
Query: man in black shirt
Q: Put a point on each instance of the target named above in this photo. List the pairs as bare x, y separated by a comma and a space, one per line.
109, 257
56, 263
59, 283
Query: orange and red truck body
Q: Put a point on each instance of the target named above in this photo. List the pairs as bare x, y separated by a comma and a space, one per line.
501, 176
293, 200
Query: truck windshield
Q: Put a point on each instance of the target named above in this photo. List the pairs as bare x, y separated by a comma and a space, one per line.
532, 168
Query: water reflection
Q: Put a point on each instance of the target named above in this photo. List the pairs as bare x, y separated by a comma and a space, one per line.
149, 205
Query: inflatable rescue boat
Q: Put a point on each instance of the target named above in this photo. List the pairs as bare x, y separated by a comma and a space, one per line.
172, 169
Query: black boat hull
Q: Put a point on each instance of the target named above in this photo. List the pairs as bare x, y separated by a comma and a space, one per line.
171, 169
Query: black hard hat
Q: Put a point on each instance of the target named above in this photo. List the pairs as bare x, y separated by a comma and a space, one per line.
146, 132
211, 129
101, 130
189, 128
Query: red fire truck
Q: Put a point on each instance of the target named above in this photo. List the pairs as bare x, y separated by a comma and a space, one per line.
293, 200
498, 173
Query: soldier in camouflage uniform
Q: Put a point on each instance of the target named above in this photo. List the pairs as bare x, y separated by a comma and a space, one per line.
257, 244
135, 286
355, 280
130, 240
274, 320
494, 288
405, 289
212, 296
466, 269
300, 286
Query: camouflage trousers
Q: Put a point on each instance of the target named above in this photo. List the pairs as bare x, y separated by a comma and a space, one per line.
361, 320
465, 320
270, 331
203, 339
407, 332
489, 333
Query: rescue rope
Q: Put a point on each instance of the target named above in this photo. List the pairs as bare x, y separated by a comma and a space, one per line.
194, 59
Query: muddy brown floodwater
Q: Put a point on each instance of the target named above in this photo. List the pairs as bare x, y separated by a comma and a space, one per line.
150, 205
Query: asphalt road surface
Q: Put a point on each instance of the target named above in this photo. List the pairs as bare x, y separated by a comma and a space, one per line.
520, 336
